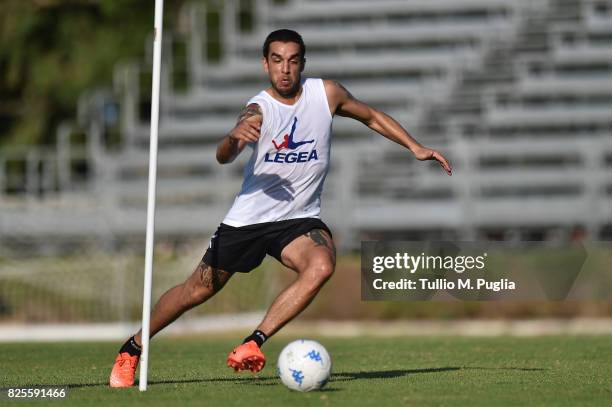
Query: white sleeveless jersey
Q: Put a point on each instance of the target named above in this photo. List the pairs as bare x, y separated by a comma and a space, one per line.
284, 177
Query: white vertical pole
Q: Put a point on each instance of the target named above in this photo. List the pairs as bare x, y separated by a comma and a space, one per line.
146, 298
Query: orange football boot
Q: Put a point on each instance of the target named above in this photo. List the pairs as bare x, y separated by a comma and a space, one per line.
124, 370
247, 356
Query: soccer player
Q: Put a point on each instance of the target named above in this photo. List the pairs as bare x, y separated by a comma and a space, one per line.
277, 211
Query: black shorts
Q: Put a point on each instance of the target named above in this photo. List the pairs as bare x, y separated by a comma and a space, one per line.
241, 249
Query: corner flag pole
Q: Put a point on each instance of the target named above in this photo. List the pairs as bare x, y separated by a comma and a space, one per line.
150, 239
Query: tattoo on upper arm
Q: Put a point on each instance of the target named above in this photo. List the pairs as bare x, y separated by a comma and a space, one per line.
354, 108
249, 111
349, 95
347, 101
319, 238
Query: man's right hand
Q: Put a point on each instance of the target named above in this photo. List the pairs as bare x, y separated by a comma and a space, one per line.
247, 130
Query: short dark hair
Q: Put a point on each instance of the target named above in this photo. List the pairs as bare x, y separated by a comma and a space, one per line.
284, 35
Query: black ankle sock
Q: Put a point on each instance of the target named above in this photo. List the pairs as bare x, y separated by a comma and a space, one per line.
131, 347
257, 336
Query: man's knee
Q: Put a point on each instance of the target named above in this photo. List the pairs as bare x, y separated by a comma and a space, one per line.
325, 270
204, 283
319, 271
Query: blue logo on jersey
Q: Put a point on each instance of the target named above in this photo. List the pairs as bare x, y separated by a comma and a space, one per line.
290, 144
302, 157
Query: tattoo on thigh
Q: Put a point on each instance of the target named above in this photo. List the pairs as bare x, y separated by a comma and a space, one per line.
320, 239
209, 277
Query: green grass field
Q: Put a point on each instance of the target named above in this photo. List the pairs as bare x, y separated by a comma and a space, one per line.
559, 371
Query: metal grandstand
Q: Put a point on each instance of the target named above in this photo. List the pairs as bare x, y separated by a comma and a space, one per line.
517, 93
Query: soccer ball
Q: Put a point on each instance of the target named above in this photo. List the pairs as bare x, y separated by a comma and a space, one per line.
304, 365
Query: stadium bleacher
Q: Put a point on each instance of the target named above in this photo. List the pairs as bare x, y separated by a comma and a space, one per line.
517, 93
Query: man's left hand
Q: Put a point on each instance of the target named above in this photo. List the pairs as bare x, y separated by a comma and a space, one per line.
424, 153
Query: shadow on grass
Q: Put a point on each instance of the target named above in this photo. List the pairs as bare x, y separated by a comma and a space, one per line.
523, 369
386, 374
390, 374
336, 377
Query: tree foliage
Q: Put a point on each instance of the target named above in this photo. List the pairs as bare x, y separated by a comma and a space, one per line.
52, 50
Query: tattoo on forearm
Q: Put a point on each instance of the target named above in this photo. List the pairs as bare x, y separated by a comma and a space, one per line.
320, 239
249, 111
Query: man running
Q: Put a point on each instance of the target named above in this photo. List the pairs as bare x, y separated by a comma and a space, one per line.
277, 210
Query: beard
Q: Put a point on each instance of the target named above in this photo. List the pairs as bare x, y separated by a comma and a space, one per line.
288, 93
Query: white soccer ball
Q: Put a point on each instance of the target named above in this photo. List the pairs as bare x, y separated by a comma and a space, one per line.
304, 365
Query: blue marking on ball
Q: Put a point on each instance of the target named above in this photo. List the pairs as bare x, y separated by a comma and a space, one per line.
297, 375
314, 355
